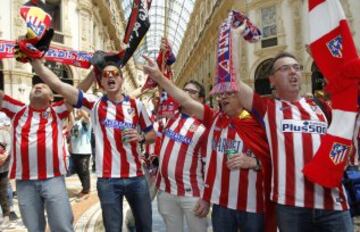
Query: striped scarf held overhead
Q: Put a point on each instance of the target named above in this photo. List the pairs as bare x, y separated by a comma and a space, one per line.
225, 80
335, 54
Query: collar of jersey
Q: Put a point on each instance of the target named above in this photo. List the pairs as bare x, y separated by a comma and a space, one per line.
183, 115
36, 110
125, 99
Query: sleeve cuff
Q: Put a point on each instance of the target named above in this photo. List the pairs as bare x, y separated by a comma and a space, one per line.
80, 100
147, 129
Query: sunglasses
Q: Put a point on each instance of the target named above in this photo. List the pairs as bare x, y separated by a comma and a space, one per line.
111, 73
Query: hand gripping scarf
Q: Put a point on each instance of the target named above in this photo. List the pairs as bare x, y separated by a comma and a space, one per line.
37, 41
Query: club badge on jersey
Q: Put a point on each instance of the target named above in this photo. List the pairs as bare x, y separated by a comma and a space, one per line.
338, 153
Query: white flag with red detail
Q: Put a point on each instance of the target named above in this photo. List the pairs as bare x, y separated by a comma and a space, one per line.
334, 52
331, 41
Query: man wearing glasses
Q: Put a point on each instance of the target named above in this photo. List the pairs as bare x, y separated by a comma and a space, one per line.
294, 126
120, 124
180, 180
233, 174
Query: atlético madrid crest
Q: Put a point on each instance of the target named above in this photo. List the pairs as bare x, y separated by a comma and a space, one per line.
335, 46
338, 152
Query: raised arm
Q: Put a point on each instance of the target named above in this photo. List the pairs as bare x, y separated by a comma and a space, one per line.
86, 83
190, 105
69, 92
245, 92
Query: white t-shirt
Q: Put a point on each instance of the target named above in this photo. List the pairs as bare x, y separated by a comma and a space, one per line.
81, 137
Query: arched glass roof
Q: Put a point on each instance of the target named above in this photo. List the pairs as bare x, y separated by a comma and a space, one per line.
177, 13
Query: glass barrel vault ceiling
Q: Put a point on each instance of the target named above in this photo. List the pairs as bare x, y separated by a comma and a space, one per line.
178, 14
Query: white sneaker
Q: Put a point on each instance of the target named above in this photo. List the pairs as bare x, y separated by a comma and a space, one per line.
5, 222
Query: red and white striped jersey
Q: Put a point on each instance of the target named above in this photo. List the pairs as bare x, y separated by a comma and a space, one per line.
153, 149
239, 189
180, 162
354, 158
294, 131
38, 149
114, 158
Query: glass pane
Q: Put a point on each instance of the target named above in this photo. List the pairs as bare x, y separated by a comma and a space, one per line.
178, 14
268, 21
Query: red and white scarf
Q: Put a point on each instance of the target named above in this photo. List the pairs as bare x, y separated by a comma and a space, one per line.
225, 80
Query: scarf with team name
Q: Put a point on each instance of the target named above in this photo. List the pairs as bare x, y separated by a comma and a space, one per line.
225, 80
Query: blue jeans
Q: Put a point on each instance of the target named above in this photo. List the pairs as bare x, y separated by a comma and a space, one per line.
298, 219
136, 191
50, 194
10, 195
230, 220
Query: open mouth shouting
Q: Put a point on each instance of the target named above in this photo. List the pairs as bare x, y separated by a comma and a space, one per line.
111, 83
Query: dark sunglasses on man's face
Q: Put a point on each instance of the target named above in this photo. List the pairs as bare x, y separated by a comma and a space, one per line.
111, 73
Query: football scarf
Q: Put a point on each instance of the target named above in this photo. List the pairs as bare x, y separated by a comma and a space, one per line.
37, 43
167, 105
164, 60
225, 79
70, 57
138, 25
334, 52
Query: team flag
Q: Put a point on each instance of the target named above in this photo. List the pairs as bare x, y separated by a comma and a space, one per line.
334, 52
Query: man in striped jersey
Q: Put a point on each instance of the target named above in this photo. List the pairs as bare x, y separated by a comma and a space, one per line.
233, 182
120, 123
355, 153
38, 159
180, 179
294, 126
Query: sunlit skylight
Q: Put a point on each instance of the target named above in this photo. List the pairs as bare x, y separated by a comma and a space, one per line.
178, 14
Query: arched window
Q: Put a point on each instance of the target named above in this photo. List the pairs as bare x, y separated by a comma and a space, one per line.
262, 83
1, 76
317, 79
61, 71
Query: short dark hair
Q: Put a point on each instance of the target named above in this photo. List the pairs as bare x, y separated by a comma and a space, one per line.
111, 63
199, 86
278, 57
